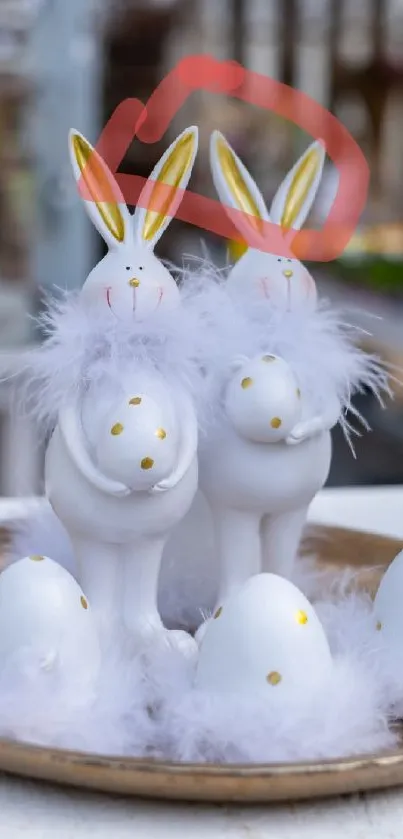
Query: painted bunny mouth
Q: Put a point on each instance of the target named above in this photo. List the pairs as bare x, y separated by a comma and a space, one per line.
109, 302
155, 308
288, 281
265, 290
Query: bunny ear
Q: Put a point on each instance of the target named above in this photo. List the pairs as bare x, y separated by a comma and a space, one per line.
295, 196
162, 190
237, 189
102, 197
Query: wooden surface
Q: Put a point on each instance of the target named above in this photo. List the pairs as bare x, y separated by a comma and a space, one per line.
224, 784
367, 554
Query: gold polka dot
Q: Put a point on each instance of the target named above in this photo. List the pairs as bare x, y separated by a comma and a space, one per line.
218, 613
134, 283
117, 429
147, 463
379, 626
161, 433
135, 401
84, 602
37, 558
273, 678
275, 422
248, 382
269, 358
301, 616
298, 393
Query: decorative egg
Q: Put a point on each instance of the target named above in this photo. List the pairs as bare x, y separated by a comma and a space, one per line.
265, 639
387, 609
263, 400
44, 613
137, 445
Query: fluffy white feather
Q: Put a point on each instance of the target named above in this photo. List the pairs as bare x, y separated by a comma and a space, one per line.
155, 711
195, 345
321, 346
85, 348
149, 707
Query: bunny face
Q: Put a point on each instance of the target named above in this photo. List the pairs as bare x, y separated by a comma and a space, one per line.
285, 282
130, 281
280, 279
132, 284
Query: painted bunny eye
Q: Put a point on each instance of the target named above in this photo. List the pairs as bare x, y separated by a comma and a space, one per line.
141, 267
128, 268
279, 259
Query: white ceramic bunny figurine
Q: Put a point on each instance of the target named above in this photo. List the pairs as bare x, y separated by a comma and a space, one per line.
260, 470
121, 466
282, 280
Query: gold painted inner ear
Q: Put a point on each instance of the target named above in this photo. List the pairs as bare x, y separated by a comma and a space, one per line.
239, 189
99, 185
300, 186
171, 175
236, 250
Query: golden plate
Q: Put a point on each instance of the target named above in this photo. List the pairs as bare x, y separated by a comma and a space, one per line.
367, 554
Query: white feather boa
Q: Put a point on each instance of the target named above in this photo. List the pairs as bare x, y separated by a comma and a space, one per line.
85, 348
321, 346
194, 346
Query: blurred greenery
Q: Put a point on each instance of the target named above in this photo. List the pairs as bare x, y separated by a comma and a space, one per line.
375, 273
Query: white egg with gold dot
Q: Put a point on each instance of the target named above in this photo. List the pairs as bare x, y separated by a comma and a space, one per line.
263, 399
388, 611
45, 616
137, 443
264, 640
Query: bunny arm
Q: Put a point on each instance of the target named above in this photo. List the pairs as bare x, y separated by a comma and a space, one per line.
72, 434
317, 424
188, 444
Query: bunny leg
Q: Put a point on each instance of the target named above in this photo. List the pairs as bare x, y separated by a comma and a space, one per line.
141, 569
98, 574
239, 549
281, 535
239, 554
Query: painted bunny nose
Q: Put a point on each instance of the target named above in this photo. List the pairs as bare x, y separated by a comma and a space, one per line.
134, 282
288, 274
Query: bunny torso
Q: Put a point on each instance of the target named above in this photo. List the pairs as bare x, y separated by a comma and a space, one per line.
264, 478
140, 514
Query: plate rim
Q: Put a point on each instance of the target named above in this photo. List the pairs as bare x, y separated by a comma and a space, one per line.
276, 782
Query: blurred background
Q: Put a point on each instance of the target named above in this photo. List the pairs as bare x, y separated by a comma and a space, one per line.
69, 63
